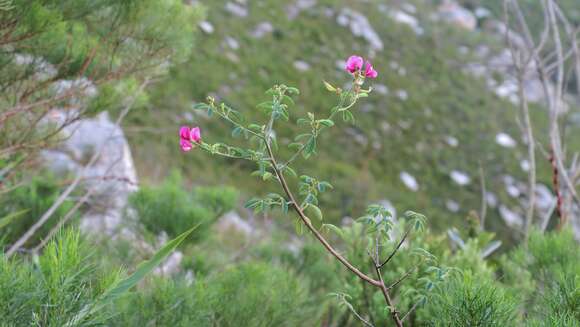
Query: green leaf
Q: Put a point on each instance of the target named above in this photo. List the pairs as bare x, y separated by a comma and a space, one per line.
123, 286
266, 176
252, 203
329, 87
236, 131
326, 122
200, 106
335, 229
309, 148
290, 171
298, 226
293, 90
11, 216
288, 99
347, 116
285, 205
313, 211
265, 105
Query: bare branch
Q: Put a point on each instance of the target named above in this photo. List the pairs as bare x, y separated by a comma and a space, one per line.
64, 195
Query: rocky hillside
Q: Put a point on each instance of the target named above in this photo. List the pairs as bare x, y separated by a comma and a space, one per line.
438, 115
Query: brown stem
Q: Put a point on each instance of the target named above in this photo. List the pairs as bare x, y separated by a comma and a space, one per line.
396, 248
309, 225
385, 291
556, 185
403, 277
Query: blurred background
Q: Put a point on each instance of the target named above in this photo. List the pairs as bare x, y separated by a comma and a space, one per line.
92, 94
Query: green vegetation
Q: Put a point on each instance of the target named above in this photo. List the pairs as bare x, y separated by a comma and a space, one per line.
391, 135
176, 259
172, 209
29, 202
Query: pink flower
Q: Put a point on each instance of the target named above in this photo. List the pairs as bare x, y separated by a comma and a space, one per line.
354, 64
195, 134
184, 133
187, 136
370, 72
185, 145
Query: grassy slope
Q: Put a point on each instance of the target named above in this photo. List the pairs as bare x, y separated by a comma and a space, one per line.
459, 106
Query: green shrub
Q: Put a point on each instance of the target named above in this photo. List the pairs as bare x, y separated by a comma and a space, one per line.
544, 275
173, 209
469, 300
53, 289
35, 197
252, 294
218, 199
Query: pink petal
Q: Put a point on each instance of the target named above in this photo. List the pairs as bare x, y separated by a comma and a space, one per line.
195, 134
184, 133
354, 64
369, 71
185, 145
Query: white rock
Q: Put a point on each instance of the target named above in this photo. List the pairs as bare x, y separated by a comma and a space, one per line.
481, 12
232, 43
43, 70
23, 59
402, 94
359, 26
301, 65
510, 217
457, 15
452, 206
544, 198
409, 181
525, 165
236, 9
206, 27
451, 141
293, 10
505, 140
381, 89
233, 221
112, 178
262, 29
491, 199
406, 19
513, 191
171, 265
460, 177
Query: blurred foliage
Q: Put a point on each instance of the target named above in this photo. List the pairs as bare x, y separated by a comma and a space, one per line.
251, 294
80, 57
470, 300
171, 208
53, 288
32, 199
391, 134
545, 276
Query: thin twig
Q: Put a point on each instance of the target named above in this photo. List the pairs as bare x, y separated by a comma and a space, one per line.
309, 225
483, 211
64, 195
396, 249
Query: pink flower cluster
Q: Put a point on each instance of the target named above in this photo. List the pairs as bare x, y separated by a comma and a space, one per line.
354, 65
188, 136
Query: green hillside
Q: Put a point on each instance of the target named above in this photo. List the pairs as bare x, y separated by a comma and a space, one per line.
422, 102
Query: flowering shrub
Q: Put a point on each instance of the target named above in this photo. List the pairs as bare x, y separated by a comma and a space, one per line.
377, 222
